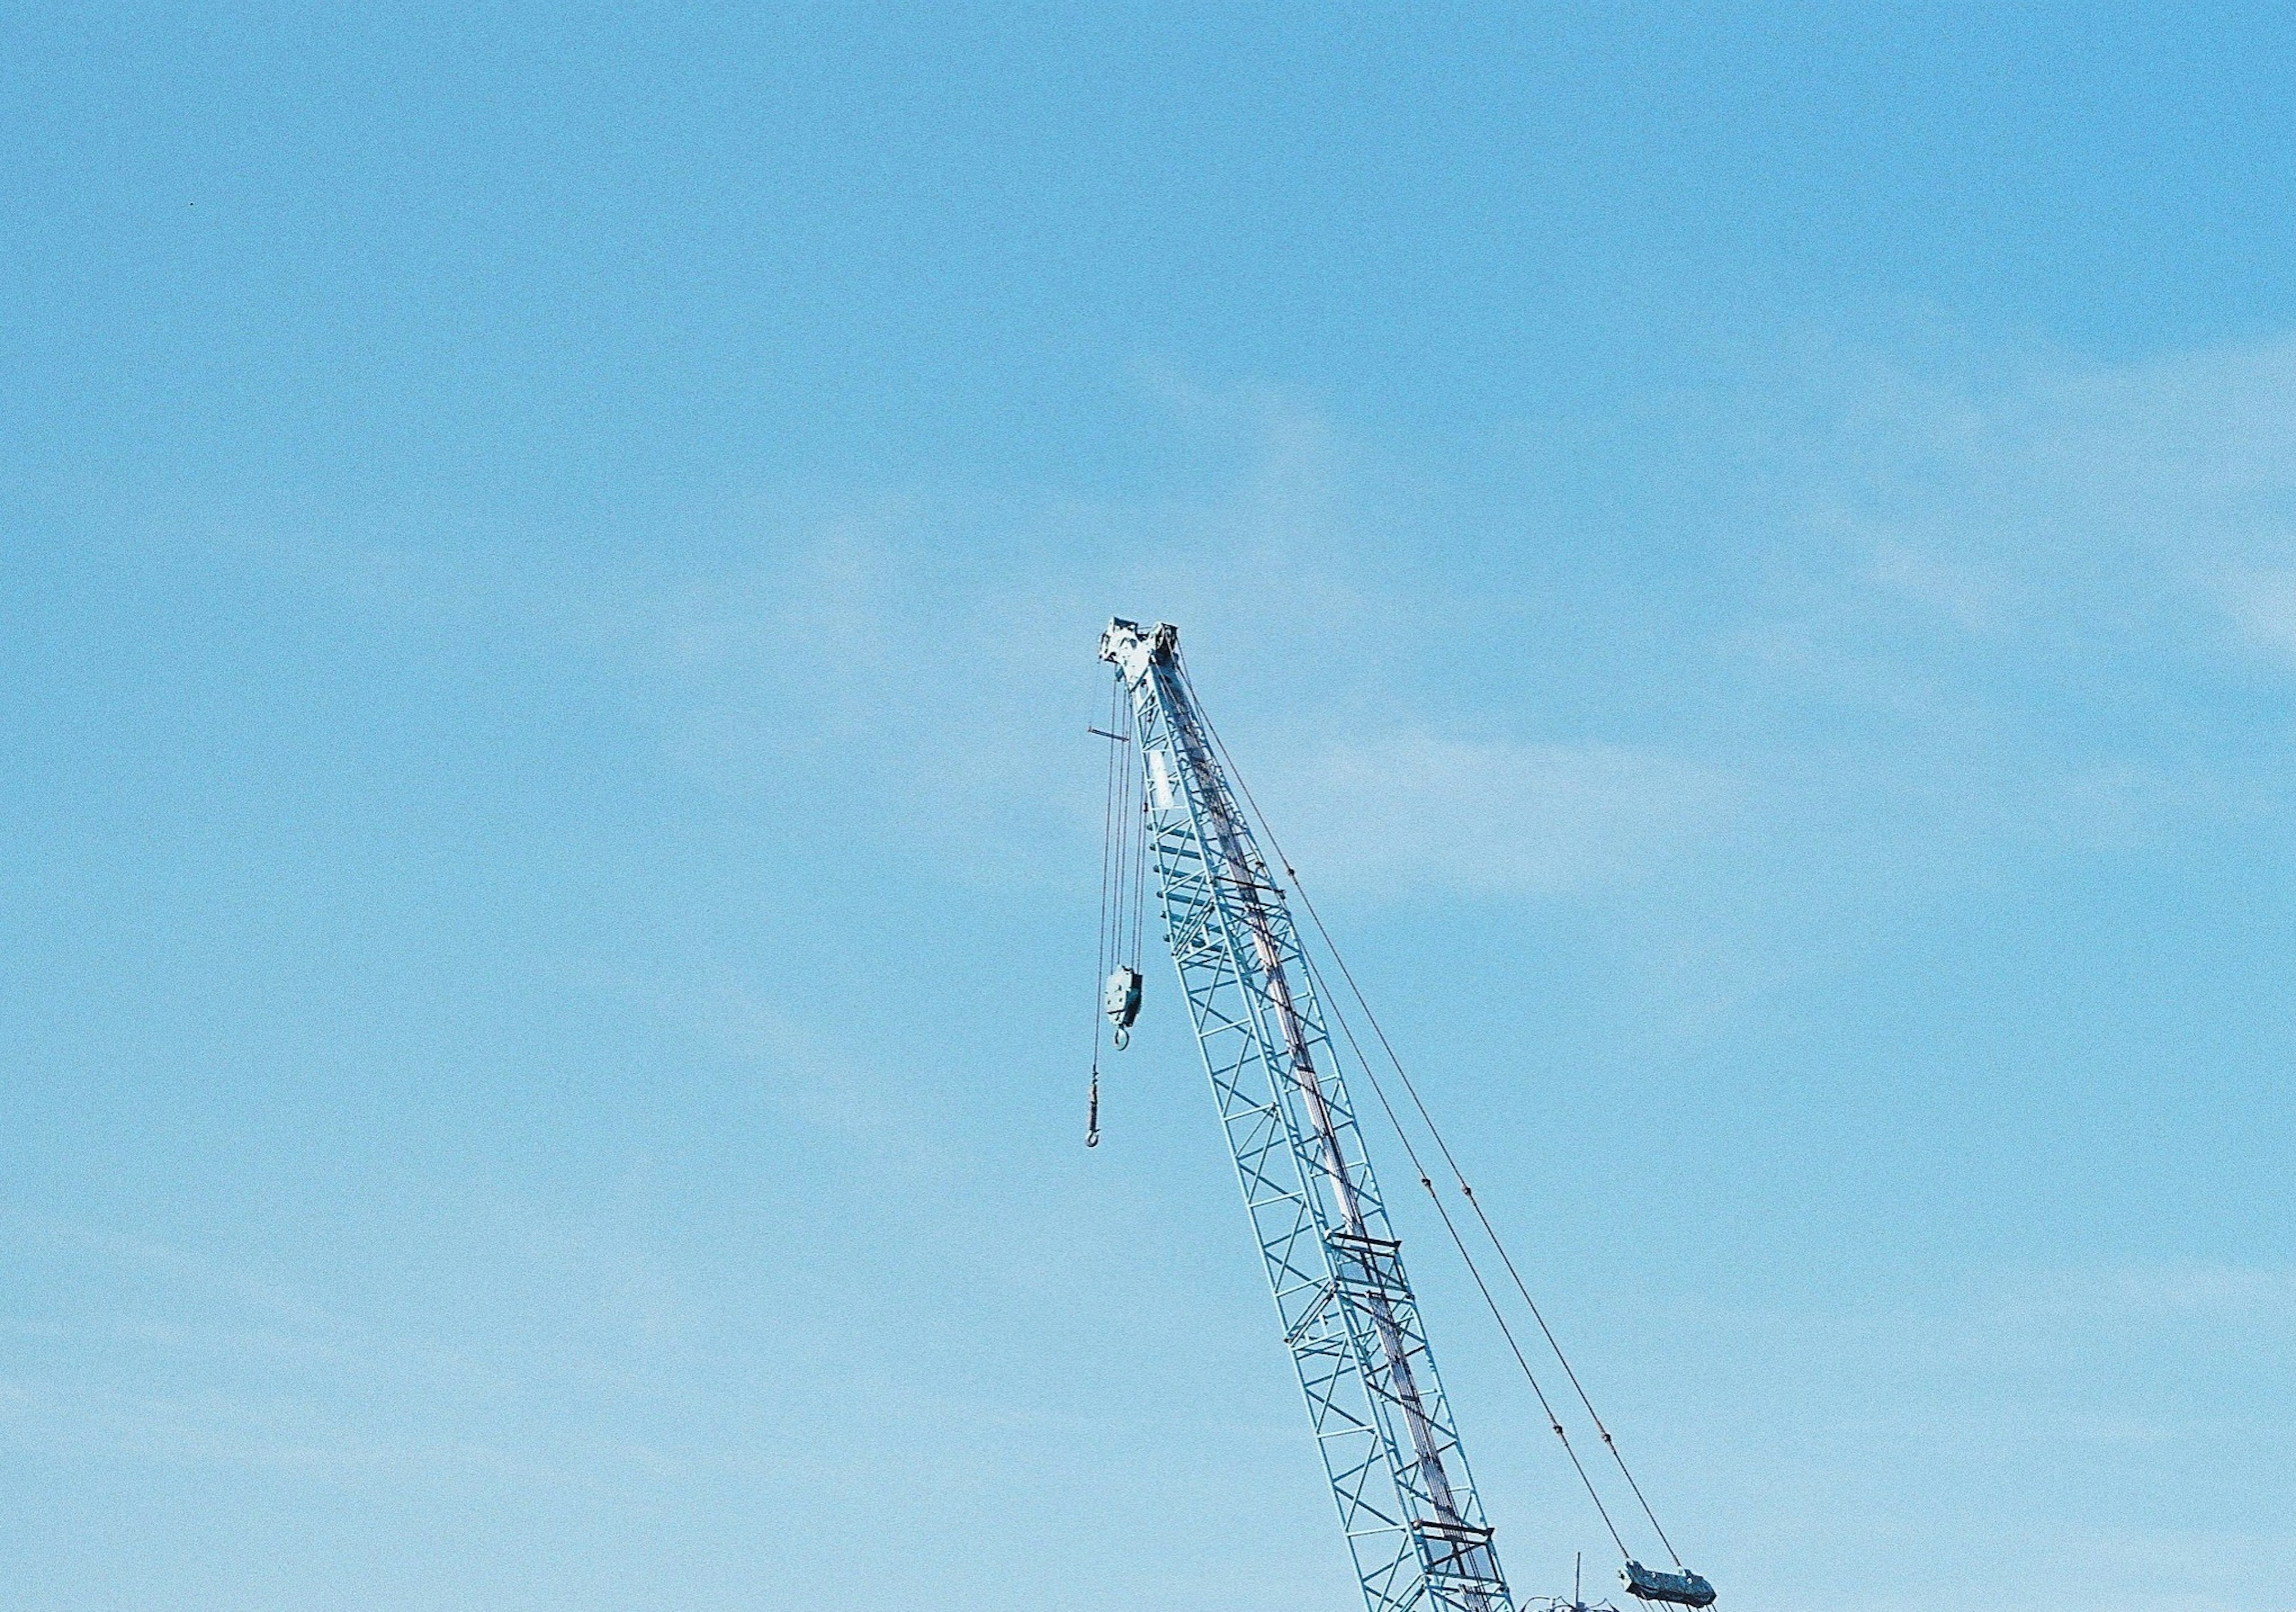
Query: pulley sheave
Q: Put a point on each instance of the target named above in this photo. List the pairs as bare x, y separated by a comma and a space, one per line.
1120, 999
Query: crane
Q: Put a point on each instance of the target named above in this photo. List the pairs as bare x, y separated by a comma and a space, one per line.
1413, 1523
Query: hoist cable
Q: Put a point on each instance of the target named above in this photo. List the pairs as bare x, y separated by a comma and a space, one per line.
1134, 804
1111, 872
1136, 780
1443, 1212
1108, 844
1467, 1191
1116, 831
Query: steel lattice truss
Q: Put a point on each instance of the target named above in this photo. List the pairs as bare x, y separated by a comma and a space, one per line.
1407, 1502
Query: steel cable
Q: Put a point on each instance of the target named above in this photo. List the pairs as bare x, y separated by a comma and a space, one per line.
1435, 1132
1443, 1212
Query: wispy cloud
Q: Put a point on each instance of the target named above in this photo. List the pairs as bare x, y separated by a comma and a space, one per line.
162, 1352
2082, 503
809, 1076
1412, 812
1958, 609
2262, 605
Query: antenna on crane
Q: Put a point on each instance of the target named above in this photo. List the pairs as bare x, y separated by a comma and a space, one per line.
1262, 1013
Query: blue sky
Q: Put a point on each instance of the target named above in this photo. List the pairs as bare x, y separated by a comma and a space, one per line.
551, 559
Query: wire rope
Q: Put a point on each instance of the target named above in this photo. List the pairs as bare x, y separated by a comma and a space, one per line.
1443, 1212
1134, 804
1435, 1132
1111, 875
1136, 780
1489, 1232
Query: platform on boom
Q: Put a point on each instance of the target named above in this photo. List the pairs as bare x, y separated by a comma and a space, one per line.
1458, 1554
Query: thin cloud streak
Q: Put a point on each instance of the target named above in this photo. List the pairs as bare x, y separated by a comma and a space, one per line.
1415, 813
1943, 545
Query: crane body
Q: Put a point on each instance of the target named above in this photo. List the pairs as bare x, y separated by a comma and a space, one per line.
1407, 1504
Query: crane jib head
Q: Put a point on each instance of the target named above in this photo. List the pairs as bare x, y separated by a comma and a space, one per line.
1132, 649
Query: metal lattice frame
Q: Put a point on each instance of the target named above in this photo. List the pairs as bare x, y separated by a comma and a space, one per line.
1407, 1502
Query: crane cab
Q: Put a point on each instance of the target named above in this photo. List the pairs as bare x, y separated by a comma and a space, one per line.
1682, 1589
1120, 1001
